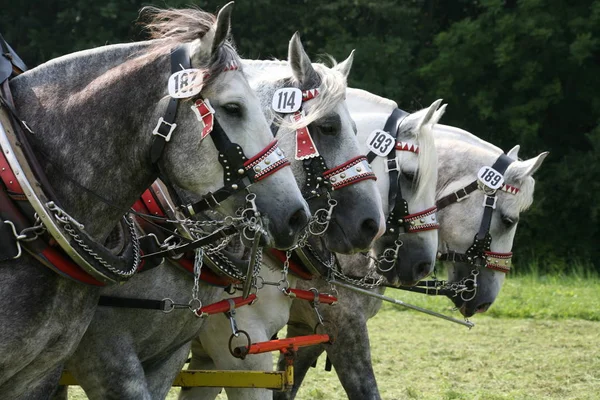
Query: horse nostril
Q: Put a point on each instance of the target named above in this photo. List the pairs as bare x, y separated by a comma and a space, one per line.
482, 307
421, 270
369, 228
298, 219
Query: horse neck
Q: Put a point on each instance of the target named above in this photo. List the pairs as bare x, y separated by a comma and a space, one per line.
93, 113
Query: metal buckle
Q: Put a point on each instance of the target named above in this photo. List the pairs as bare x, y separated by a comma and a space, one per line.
394, 165
461, 198
492, 204
161, 121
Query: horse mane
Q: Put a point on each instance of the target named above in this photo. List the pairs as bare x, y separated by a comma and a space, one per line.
170, 28
524, 198
332, 88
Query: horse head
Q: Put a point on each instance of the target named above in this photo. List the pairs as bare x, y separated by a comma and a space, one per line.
406, 252
337, 183
484, 262
195, 163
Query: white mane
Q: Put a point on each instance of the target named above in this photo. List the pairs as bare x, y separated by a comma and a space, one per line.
331, 91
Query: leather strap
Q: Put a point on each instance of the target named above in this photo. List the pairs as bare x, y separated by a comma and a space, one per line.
457, 196
179, 58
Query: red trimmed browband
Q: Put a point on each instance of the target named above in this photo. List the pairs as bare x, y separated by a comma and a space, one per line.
405, 146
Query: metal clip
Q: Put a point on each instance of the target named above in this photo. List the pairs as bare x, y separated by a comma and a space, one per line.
17, 237
493, 202
392, 165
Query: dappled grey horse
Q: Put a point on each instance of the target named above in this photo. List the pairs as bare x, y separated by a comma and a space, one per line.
460, 155
416, 156
146, 349
93, 114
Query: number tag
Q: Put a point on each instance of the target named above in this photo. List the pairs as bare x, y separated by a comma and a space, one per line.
185, 83
490, 177
380, 142
287, 100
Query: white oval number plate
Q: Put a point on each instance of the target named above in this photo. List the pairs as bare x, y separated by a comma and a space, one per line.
287, 100
380, 142
490, 177
185, 83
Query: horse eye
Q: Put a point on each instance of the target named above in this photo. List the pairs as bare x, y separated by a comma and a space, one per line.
327, 129
409, 175
232, 109
508, 221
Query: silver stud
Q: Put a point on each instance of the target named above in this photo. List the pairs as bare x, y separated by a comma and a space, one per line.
279, 153
422, 220
241, 171
257, 168
342, 176
392, 230
227, 167
319, 179
358, 169
412, 223
313, 192
400, 221
333, 179
304, 142
433, 217
267, 162
234, 186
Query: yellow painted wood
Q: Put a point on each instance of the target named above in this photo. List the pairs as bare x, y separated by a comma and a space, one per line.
277, 380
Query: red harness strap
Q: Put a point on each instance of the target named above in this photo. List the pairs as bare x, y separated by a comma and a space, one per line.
308, 295
282, 345
225, 305
51, 256
295, 268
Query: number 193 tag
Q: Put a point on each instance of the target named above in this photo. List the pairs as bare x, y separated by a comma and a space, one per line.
185, 83
287, 100
490, 177
380, 142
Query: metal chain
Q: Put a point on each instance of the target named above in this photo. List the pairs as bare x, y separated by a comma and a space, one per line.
195, 303
66, 220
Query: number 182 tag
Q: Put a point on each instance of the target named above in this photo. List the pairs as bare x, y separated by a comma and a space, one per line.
380, 142
287, 100
490, 177
185, 83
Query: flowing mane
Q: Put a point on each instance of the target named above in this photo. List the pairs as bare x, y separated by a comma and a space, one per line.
169, 28
332, 88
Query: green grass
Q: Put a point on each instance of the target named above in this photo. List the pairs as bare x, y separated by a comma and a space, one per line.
540, 340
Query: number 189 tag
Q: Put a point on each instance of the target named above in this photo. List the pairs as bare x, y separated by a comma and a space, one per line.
287, 100
490, 177
380, 142
185, 83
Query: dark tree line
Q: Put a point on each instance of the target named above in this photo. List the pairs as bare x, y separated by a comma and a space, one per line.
513, 72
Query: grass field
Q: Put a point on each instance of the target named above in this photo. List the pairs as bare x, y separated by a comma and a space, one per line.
540, 340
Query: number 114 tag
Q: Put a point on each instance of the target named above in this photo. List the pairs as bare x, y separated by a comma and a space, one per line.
287, 100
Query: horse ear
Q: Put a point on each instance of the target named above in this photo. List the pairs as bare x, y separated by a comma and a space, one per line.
345, 66
427, 117
523, 169
438, 114
514, 152
223, 25
300, 63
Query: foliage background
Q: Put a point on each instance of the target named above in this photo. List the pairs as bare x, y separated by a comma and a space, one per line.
513, 72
